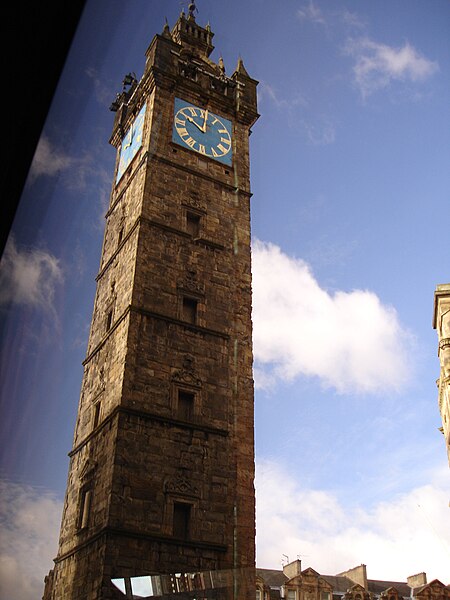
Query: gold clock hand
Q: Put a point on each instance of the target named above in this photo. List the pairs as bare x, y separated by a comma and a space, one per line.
131, 137
204, 122
191, 120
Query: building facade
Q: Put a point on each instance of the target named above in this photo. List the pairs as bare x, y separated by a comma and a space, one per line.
293, 583
441, 322
162, 465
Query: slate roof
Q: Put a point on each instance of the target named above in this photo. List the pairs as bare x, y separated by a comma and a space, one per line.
340, 583
272, 577
378, 586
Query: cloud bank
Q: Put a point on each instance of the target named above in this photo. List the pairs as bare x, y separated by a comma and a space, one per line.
48, 160
28, 276
349, 340
403, 536
378, 65
29, 526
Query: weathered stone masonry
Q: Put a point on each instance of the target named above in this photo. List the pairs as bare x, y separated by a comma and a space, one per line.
162, 465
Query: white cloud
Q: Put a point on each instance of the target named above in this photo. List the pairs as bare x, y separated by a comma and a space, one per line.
317, 129
103, 92
48, 160
349, 340
29, 526
378, 65
320, 133
397, 538
352, 19
265, 90
311, 12
28, 277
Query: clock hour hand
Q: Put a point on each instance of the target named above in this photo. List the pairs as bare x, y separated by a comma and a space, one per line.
191, 120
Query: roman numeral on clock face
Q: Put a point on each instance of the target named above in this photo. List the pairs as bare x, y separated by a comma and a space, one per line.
190, 142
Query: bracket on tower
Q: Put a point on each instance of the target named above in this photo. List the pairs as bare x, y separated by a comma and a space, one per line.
130, 82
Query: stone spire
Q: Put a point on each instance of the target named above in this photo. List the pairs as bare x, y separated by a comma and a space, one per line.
166, 30
187, 32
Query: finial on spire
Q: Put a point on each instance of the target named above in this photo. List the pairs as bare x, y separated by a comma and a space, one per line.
192, 9
166, 30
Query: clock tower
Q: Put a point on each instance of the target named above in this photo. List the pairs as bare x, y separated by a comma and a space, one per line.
162, 466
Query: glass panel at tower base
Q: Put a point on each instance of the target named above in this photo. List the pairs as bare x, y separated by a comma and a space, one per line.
228, 584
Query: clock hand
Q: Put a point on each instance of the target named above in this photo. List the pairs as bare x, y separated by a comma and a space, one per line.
131, 137
204, 122
191, 120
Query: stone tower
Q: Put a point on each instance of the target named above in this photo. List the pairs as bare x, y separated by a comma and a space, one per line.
162, 465
441, 322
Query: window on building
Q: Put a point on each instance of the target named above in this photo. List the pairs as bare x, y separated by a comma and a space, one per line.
97, 407
189, 310
120, 237
85, 508
109, 317
325, 595
193, 224
259, 595
181, 520
185, 408
291, 595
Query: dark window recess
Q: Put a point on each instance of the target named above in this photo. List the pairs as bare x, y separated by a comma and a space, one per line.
120, 238
181, 520
185, 405
193, 224
96, 414
109, 317
85, 508
189, 310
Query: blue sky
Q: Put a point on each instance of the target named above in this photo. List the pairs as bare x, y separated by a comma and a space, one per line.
349, 223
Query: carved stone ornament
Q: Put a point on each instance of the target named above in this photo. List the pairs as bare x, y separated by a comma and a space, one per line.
182, 376
188, 70
190, 284
444, 343
88, 470
193, 201
181, 487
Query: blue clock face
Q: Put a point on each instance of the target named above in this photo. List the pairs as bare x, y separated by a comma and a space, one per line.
131, 143
202, 131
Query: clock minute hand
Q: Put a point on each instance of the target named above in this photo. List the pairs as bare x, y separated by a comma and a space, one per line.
204, 122
131, 136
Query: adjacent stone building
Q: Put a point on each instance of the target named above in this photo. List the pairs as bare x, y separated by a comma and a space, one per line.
293, 583
441, 322
162, 466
